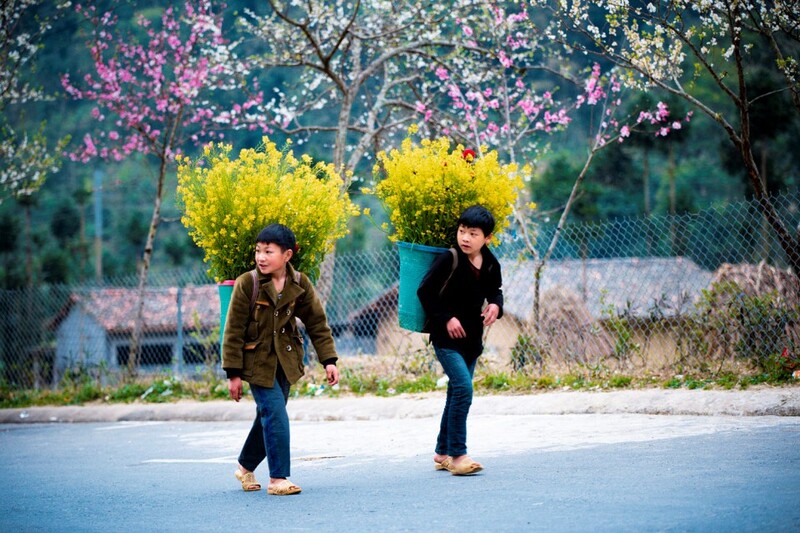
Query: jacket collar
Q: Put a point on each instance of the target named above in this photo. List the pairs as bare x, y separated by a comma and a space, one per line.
291, 289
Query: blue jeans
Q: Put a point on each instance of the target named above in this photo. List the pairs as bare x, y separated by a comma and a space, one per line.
452, 439
269, 435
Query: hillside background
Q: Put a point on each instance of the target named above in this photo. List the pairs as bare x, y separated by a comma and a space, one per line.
628, 180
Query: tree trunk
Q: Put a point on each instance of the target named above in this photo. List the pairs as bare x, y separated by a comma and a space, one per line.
789, 242
28, 248
138, 326
561, 221
765, 241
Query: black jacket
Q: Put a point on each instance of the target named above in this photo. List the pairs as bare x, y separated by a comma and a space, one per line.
462, 298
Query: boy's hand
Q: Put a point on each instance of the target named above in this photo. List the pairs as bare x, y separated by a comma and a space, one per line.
490, 314
235, 388
332, 374
455, 329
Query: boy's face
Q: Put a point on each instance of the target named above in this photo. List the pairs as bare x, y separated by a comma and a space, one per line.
270, 258
471, 240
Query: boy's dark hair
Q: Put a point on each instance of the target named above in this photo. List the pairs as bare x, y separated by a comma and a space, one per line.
477, 216
280, 235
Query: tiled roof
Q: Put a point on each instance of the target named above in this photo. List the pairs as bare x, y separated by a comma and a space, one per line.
115, 308
672, 284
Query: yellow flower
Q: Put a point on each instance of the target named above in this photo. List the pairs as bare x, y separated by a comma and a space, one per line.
226, 202
425, 187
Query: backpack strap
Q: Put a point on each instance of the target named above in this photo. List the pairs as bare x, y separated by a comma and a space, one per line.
452, 269
254, 293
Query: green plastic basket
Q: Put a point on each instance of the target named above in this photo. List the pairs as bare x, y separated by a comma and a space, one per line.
225, 290
415, 260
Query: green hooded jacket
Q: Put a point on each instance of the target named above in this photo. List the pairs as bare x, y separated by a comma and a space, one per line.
253, 346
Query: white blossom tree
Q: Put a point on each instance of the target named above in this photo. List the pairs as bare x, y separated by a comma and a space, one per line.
26, 158
354, 69
669, 44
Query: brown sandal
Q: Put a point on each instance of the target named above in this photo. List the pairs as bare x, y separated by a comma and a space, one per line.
283, 488
248, 480
467, 469
444, 465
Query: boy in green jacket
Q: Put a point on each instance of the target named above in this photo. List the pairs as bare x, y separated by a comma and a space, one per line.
264, 347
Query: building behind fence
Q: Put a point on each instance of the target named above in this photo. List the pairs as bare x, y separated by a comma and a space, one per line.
713, 284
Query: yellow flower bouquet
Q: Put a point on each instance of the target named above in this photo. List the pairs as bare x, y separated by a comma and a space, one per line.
225, 203
425, 187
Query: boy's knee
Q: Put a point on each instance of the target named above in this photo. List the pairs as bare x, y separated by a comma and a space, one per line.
463, 391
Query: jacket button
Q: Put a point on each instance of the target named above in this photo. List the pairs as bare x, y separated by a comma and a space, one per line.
288, 348
276, 313
283, 330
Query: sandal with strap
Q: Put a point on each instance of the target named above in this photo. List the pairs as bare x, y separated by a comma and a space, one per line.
283, 488
444, 465
248, 481
464, 469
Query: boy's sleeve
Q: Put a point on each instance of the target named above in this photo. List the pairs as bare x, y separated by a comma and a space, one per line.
235, 323
431, 284
495, 295
312, 313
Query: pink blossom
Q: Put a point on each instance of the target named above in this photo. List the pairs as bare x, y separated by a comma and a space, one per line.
625, 131
528, 107
442, 73
89, 148
662, 112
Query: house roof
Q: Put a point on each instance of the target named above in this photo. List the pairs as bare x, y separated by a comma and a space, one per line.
670, 284
675, 282
115, 308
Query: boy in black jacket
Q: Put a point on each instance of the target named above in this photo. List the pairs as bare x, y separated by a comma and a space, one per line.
453, 300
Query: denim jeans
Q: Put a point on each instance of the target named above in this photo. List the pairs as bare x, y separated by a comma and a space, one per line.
452, 439
269, 435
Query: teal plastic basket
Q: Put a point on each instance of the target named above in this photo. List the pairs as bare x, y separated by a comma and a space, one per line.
415, 260
225, 290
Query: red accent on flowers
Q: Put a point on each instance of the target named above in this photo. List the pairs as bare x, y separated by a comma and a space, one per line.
468, 154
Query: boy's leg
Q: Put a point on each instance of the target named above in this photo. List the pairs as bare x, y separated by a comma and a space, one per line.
253, 451
459, 399
275, 424
441, 438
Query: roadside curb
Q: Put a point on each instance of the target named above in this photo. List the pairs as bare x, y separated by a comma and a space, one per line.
783, 401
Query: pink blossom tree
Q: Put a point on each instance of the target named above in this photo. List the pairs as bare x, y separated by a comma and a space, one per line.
153, 93
489, 98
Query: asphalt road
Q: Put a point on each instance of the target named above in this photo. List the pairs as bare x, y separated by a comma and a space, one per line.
544, 472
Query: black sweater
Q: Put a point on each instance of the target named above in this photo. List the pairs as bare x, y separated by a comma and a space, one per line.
462, 298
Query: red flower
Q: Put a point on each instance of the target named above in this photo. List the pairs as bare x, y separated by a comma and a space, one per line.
469, 155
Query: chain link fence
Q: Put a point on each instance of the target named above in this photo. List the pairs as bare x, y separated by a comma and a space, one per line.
666, 292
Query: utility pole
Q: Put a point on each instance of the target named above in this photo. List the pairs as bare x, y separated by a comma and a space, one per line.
98, 225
